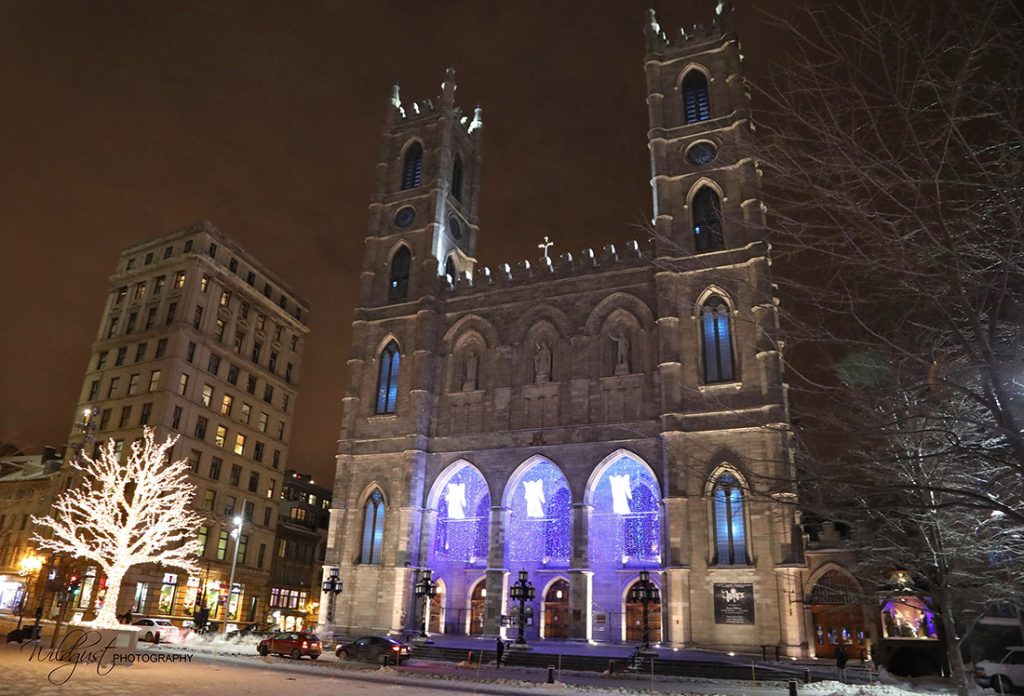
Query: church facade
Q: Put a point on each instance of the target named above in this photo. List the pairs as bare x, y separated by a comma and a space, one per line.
583, 418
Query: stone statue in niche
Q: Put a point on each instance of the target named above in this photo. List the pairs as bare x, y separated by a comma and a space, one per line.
542, 363
621, 353
469, 378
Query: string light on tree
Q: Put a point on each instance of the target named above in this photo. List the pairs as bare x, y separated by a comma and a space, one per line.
124, 514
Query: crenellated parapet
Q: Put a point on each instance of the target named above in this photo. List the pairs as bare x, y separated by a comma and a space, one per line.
659, 40
427, 108
586, 262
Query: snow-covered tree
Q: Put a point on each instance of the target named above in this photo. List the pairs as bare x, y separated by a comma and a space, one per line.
126, 513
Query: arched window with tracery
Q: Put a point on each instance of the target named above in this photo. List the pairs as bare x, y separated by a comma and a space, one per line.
457, 178
398, 283
412, 167
707, 220
696, 106
387, 378
373, 528
716, 341
729, 521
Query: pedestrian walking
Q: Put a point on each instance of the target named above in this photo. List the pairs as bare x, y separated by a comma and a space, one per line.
500, 649
841, 659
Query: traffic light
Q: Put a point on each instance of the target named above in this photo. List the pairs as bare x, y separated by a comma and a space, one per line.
74, 583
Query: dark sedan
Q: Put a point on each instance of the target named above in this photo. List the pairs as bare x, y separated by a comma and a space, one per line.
379, 649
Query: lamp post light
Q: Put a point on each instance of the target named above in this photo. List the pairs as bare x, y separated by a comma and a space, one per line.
522, 591
30, 565
426, 588
237, 533
644, 592
332, 588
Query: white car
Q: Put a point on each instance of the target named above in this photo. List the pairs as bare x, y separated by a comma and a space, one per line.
149, 629
1003, 676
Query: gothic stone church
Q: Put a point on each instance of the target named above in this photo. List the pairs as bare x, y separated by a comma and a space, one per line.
582, 419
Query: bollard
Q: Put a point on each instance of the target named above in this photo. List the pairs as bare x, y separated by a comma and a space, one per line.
764, 653
807, 675
792, 687
611, 666
156, 638
551, 674
776, 653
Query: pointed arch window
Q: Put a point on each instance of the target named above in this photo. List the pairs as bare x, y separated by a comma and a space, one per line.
730, 526
398, 285
716, 340
412, 168
373, 528
457, 178
696, 106
449, 269
707, 220
387, 379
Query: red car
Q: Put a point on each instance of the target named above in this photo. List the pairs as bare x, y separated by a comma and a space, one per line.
293, 644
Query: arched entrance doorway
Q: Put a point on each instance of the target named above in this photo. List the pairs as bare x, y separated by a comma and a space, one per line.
437, 604
634, 619
556, 610
477, 608
838, 616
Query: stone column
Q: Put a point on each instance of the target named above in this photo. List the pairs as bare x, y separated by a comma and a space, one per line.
497, 573
675, 607
580, 575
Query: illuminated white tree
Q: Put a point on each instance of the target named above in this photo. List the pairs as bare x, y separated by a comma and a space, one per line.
125, 514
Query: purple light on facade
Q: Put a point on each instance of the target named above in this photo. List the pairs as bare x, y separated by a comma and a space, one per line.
463, 515
540, 518
625, 522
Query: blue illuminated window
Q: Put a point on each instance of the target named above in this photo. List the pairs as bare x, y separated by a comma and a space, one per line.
716, 341
457, 178
387, 379
398, 283
625, 523
695, 97
463, 517
373, 528
730, 529
412, 168
540, 516
707, 220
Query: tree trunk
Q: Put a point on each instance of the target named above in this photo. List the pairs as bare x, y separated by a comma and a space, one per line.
107, 616
956, 660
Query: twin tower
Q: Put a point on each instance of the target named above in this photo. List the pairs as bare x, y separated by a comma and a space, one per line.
582, 420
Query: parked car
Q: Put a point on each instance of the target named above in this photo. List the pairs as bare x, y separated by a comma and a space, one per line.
149, 629
1003, 676
379, 649
292, 643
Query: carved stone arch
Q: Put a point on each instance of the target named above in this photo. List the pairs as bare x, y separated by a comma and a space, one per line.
556, 317
826, 568
701, 183
394, 250
552, 581
725, 467
619, 300
471, 322
604, 464
368, 491
467, 363
693, 65
446, 475
521, 471
409, 143
543, 337
382, 344
706, 294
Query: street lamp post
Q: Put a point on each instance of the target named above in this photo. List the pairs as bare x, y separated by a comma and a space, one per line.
332, 588
426, 588
30, 565
644, 592
522, 591
237, 533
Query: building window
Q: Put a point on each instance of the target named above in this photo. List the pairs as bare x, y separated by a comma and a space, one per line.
210, 499
161, 348
147, 411
204, 532
114, 382
260, 555
284, 402
200, 431
387, 379
214, 365
179, 280
457, 178
398, 286
154, 380
232, 374
707, 220
133, 384
257, 347
730, 529
176, 418
695, 97
250, 385
158, 284
254, 481
218, 330
246, 412
239, 444
276, 461
288, 373
197, 317
716, 340
225, 404
140, 352
215, 465
190, 352
225, 298
150, 318
126, 413
101, 360
272, 363
140, 291
268, 393
193, 460
412, 167
250, 278
122, 353
222, 435
94, 390
233, 265
104, 419
236, 475
121, 293
207, 394
112, 329
171, 309
373, 528
257, 452
222, 546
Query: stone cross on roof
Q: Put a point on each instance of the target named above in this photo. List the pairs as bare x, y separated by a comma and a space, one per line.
544, 245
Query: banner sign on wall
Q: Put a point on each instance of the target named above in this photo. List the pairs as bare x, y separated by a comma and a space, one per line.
734, 604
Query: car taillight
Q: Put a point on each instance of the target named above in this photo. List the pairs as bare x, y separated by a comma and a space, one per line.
396, 649
305, 644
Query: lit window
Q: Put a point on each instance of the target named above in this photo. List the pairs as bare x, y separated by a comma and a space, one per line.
373, 528
225, 404
707, 220
695, 97
387, 379
398, 285
716, 341
239, 444
412, 167
730, 530
222, 436
207, 394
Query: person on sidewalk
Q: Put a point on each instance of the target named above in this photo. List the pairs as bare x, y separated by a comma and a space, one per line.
500, 649
841, 659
